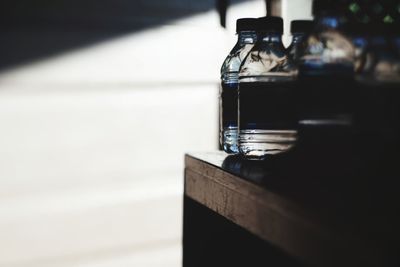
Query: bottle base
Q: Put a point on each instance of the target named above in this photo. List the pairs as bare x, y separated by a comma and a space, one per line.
258, 144
230, 140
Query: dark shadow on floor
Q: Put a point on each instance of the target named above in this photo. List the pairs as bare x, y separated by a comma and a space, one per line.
34, 29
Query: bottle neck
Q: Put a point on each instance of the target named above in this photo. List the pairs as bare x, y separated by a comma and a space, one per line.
270, 37
247, 37
297, 38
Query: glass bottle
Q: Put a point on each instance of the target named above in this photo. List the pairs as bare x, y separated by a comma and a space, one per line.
245, 29
265, 114
326, 77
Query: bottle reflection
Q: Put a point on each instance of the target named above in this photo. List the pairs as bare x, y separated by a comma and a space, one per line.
253, 170
333, 163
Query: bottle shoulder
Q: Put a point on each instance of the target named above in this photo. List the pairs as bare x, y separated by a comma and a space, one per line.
327, 47
233, 61
269, 47
383, 65
267, 59
294, 51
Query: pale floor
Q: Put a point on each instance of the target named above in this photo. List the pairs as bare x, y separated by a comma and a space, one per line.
95, 178
91, 146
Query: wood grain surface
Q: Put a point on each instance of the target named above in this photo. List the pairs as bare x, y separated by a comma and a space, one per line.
290, 225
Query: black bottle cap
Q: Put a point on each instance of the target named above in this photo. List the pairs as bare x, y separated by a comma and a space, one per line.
246, 24
270, 24
301, 26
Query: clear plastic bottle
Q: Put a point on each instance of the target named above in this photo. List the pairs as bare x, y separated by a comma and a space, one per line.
326, 78
245, 29
299, 29
266, 111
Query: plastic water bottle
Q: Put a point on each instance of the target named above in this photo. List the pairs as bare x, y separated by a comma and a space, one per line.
299, 29
267, 123
326, 78
245, 29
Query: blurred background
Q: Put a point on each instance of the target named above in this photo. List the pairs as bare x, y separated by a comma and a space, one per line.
99, 101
